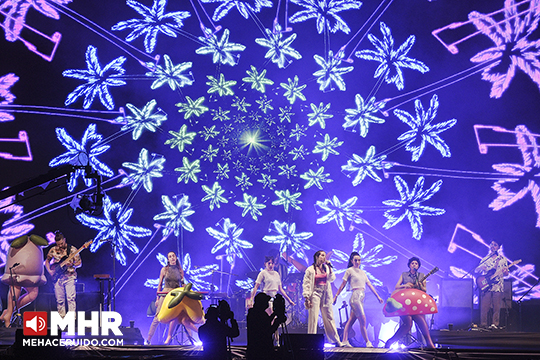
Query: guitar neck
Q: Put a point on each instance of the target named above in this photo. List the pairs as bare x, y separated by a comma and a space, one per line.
500, 271
71, 256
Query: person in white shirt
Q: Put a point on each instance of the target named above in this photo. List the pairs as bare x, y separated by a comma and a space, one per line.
357, 280
271, 281
317, 293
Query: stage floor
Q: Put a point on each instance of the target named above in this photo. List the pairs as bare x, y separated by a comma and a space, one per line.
137, 352
452, 345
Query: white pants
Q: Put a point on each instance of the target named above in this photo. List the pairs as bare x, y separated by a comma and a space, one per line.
320, 302
357, 302
65, 287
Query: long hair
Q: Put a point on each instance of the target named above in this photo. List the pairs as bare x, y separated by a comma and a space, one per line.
353, 254
315, 256
178, 266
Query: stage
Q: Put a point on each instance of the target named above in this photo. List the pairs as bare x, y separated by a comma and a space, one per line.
451, 345
195, 352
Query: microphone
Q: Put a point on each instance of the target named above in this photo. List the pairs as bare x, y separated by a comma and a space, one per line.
104, 240
15, 265
328, 263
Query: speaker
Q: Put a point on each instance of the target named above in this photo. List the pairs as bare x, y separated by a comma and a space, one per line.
302, 346
455, 303
456, 293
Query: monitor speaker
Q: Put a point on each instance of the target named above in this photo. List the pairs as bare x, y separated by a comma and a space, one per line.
455, 304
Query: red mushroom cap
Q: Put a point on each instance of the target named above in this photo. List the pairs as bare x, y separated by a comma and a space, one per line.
414, 302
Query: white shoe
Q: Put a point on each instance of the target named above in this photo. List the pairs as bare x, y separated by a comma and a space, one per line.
493, 327
369, 344
146, 342
346, 344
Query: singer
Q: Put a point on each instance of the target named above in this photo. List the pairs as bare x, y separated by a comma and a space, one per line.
317, 293
412, 279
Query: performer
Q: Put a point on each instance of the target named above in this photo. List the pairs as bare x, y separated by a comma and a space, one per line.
64, 285
170, 277
357, 280
317, 293
23, 270
492, 297
412, 279
271, 280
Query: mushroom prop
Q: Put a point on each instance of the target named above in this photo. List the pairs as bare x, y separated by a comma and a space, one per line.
409, 302
184, 305
27, 253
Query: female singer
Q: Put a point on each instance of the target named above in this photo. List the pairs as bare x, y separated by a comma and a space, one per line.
358, 280
170, 277
271, 280
412, 279
317, 293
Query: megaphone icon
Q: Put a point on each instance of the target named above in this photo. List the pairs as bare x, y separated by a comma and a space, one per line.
32, 323
36, 323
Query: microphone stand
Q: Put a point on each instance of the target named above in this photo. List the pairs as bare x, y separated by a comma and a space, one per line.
520, 300
17, 322
481, 263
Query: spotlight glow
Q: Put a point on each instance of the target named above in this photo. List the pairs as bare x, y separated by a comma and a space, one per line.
253, 140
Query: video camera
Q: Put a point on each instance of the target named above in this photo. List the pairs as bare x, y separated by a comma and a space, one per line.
224, 309
278, 308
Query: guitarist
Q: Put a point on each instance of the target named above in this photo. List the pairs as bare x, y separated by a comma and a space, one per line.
412, 279
492, 296
64, 286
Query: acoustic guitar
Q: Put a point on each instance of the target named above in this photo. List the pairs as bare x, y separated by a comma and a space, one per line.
60, 266
416, 284
484, 282
433, 271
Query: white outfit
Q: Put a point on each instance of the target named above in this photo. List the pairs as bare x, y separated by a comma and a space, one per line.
270, 280
357, 279
321, 298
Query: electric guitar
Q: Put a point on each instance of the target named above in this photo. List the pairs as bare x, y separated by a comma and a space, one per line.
484, 282
60, 266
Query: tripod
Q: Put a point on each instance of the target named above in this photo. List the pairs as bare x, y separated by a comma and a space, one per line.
16, 321
178, 335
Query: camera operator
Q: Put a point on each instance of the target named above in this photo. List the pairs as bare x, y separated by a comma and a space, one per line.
214, 333
261, 326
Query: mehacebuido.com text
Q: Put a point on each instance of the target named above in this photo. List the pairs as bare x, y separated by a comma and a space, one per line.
72, 342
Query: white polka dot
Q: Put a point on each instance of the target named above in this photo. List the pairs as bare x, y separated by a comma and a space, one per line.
418, 301
402, 294
408, 302
414, 293
424, 296
426, 305
432, 309
414, 308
